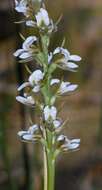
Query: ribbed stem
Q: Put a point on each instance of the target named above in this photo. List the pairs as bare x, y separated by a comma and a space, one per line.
51, 172
49, 163
45, 170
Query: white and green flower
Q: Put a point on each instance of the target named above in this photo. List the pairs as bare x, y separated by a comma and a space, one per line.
67, 87
67, 61
42, 18
29, 100
66, 144
27, 50
36, 77
43, 21
50, 113
33, 81
22, 7
32, 134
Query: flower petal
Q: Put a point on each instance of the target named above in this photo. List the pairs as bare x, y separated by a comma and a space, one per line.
28, 42
42, 17
50, 56
25, 55
29, 101
75, 58
25, 84
21, 6
71, 65
57, 50
27, 137
50, 112
73, 144
67, 87
20, 133
54, 81
71, 87
63, 51
53, 112
33, 128
18, 52
36, 88
35, 77
57, 123
61, 138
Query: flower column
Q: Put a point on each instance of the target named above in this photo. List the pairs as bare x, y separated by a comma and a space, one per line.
41, 90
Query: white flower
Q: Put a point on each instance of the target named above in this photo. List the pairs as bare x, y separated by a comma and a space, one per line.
36, 77
67, 61
42, 18
67, 87
54, 81
30, 134
27, 50
33, 81
66, 144
70, 144
22, 7
29, 101
50, 112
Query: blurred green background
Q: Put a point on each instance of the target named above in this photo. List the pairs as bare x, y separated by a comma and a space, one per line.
21, 164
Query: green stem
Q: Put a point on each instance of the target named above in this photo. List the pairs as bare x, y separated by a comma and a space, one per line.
49, 163
45, 170
51, 172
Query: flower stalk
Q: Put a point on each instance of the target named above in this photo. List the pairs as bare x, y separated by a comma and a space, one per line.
41, 90
49, 165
